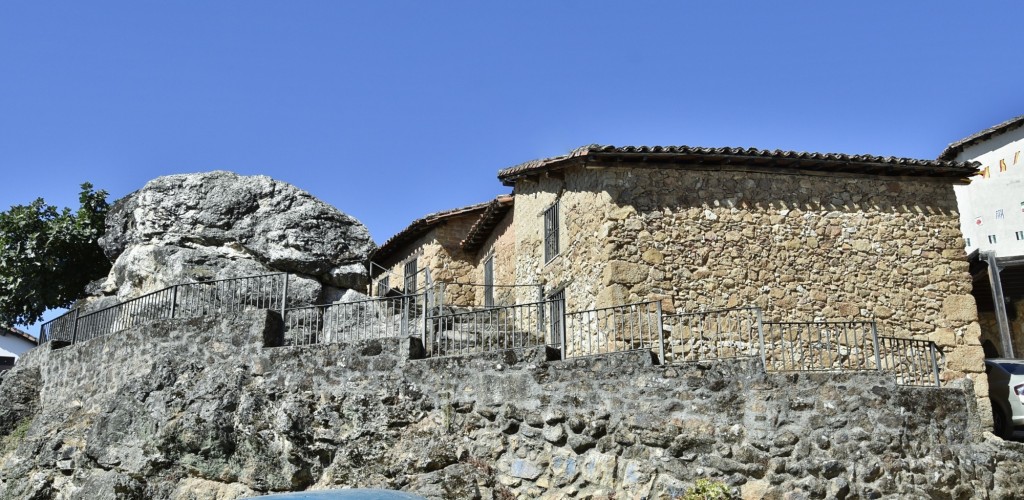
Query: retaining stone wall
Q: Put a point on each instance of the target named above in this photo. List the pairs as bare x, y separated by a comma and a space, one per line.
200, 409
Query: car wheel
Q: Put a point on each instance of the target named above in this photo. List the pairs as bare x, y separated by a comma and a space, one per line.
1001, 424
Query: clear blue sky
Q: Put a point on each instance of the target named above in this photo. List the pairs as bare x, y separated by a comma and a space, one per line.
391, 110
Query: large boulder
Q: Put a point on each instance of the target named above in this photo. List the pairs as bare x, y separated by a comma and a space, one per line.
215, 225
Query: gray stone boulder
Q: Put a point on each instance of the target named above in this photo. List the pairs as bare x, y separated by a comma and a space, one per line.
216, 225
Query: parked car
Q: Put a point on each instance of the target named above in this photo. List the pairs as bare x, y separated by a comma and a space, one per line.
1006, 390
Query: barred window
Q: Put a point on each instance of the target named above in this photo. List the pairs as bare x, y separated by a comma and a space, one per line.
1020, 235
551, 232
489, 282
410, 277
992, 238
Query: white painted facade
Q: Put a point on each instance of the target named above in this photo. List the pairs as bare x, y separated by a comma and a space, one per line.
992, 205
12, 344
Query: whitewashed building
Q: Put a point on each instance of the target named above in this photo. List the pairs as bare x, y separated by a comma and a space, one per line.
13, 343
992, 221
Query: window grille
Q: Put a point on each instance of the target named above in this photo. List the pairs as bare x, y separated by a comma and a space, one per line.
992, 238
551, 232
999, 214
1020, 235
489, 282
557, 316
967, 241
410, 277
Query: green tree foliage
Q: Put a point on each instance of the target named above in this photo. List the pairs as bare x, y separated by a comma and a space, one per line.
48, 256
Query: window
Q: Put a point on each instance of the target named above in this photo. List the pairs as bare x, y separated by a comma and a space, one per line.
410, 277
967, 241
557, 304
489, 282
1020, 235
383, 286
551, 232
999, 214
992, 238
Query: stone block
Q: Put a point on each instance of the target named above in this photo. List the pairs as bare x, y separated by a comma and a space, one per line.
966, 359
944, 337
625, 273
960, 308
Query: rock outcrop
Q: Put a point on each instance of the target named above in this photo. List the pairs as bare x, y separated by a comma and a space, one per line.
214, 225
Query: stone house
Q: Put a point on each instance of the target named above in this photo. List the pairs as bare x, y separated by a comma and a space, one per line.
803, 236
992, 221
446, 247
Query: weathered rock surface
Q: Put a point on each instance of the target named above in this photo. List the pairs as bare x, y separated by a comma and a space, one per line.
190, 409
198, 227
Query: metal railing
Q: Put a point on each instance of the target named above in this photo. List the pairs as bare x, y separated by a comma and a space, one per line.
188, 300
820, 346
713, 334
490, 329
374, 318
474, 295
614, 329
914, 362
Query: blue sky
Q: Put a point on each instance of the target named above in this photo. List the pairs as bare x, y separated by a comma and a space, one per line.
391, 110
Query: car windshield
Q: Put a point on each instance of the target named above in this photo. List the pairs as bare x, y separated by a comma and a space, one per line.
1013, 368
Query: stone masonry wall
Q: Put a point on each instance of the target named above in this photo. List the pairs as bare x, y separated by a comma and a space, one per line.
200, 409
502, 245
440, 251
801, 247
583, 203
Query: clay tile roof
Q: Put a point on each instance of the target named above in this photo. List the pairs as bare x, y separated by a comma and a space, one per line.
419, 227
7, 330
490, 218
823, 162
955, 148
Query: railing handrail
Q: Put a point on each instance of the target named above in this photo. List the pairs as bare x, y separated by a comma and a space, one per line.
838, 322
495, 285
713, 311
609, 308
153, 293
356, 302
489, 309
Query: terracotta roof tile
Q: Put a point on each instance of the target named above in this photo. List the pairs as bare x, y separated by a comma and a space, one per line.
419, 227
8, 330
488, 220
824, 162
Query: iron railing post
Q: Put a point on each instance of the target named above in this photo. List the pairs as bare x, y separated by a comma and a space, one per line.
661, 334
423, 336
760, 338
174, 301
74, 330
874, 339
284, 295
561, 326
935, 364
404, 323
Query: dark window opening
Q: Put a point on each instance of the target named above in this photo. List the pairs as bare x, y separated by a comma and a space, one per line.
557, 316
410, 277
489, 282
551, 232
